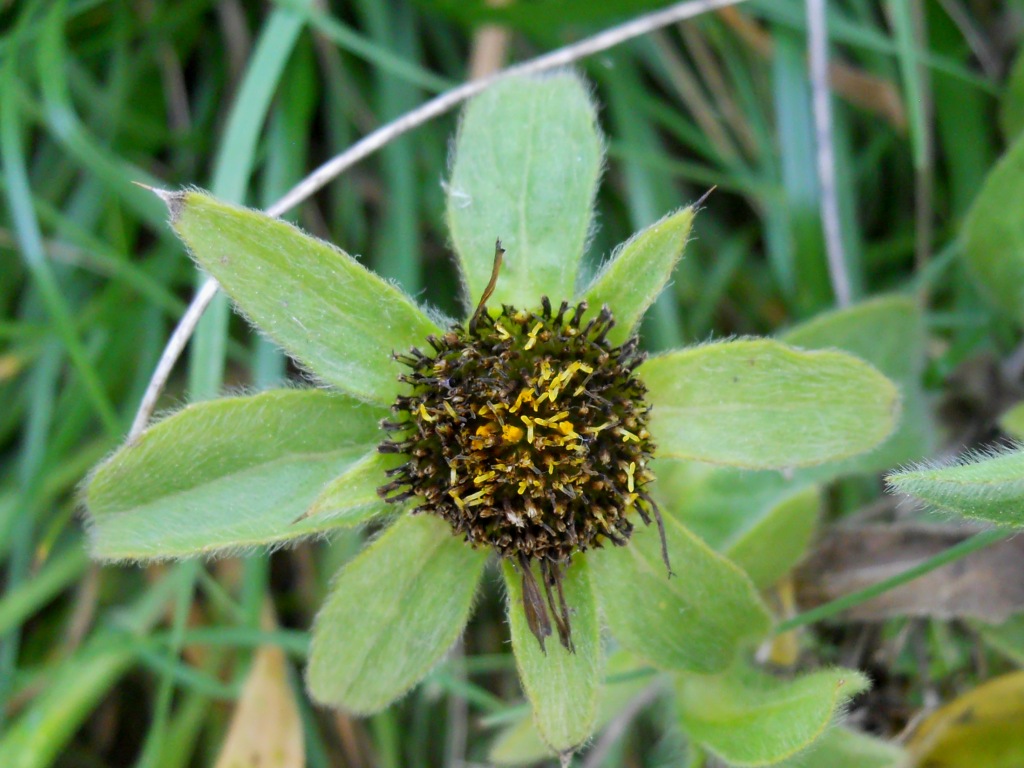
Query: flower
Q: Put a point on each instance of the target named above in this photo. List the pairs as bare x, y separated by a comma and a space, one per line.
527, 431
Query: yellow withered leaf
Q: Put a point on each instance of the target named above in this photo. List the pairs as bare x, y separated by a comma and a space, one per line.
980, 729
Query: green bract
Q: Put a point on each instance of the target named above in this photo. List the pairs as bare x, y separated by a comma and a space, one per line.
749, 718
280, 465
986, 487
993, 235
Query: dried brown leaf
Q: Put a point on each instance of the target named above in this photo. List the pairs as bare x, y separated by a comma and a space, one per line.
986, 585
860, 88
265, 726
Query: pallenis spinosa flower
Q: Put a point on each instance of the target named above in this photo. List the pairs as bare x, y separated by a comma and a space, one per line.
526, 430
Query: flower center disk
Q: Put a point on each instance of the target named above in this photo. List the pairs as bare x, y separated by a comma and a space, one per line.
527, 432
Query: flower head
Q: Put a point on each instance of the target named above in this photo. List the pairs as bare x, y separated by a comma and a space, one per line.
526, 430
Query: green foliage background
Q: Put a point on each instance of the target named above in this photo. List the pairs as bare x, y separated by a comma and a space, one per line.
244, 99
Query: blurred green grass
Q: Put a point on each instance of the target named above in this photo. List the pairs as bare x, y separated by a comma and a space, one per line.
244, 99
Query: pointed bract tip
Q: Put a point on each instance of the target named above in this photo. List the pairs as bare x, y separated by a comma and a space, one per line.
173, 200
703, 197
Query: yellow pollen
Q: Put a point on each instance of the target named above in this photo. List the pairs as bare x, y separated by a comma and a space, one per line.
484, 477
424, 415
627, 435
500, 329
533, 336
567, 429
455, 497
451, 411
476, 499
567, 374
525, 396
629, 476
511, 434
529, 428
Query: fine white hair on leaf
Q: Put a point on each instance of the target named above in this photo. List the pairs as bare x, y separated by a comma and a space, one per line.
985, 482
971, 456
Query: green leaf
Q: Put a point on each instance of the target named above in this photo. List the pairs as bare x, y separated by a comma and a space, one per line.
638, 271
759, 520
760, 404
561, 686
843, 748
1012, 422
1011, 113
352, 498
749, 718
697, 620
392, 613
226, 473
984, 487
527, 160
717, 503
993, 234
1007, 638
777, 540
889, 333
521, 743
336, 317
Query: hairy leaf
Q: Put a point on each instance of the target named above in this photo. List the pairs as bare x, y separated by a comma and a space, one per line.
392, 614
749, 718
226, 473
993, 234
889, 333
521, 743
777, 539
698, 620
562, 686
638, 271
760, 404
843, 748
352, 498
984, 487
327, 310
527, 160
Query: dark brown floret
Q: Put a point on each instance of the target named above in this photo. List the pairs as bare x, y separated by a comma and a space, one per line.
527, 432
